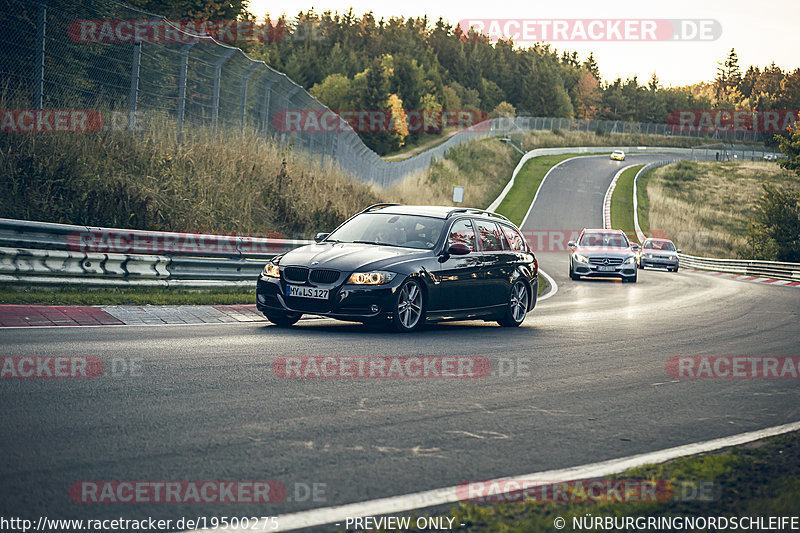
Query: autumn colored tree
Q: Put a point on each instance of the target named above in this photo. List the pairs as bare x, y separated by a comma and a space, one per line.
586, 96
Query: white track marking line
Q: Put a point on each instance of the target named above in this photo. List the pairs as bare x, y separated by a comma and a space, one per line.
449, 495
553, 287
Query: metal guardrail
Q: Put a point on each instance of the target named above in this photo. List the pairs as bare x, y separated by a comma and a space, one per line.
47, 253
769, 269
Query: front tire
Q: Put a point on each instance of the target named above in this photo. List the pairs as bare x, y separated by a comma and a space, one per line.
517, 306
409, 309
283, 320
631, 279
572, 275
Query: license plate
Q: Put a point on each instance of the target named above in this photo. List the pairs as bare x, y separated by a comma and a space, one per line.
307, 292
606, 268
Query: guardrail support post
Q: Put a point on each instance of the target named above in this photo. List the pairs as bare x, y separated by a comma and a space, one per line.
41, 27
217, 79
134, 94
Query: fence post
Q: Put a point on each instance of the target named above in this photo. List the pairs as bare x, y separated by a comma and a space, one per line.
288, 97
40, 35
217, 75
182, 88
134, 94
265, 113
244, 93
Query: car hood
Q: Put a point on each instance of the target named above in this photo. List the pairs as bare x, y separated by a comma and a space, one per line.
349, 256
602, 251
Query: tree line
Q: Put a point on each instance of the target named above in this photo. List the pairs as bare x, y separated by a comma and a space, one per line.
352, 62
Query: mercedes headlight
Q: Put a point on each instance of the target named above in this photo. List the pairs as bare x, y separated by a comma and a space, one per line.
630, 260
271, 270
377, 277
581, 258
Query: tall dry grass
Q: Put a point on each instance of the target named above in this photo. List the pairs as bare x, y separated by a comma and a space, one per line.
706, 207
236, 182
482, 167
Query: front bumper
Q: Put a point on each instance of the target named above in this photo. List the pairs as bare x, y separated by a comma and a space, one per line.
658, 262
345, 302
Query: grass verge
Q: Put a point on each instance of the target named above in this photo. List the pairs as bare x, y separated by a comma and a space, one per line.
622, 203
644, 201
706, 207
69, 295
761, 478
482, 167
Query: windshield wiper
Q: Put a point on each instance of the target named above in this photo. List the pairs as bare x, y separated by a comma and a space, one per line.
378, 243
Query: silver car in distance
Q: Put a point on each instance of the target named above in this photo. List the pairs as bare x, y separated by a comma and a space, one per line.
659, 253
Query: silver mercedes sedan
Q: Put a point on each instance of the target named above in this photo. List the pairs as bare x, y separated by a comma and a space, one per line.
602, 253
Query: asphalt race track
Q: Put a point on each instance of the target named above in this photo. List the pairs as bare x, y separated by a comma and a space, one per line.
205, 404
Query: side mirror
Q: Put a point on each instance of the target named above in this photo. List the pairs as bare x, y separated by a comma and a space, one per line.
571, 244
679, 250
319, 237
635, 247
459, 248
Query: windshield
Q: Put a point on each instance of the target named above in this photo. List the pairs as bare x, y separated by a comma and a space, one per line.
666, 246
409, 231
607, 240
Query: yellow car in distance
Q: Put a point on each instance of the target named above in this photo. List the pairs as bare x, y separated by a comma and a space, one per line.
618, 155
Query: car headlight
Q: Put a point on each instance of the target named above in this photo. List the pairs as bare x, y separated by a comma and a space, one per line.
672, 258
271, 270
650, 256
630, 260
581, 258
378, 277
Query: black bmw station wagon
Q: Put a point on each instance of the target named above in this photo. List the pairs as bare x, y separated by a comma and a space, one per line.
403, 266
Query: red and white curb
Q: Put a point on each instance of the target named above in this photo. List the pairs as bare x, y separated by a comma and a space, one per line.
125, 315
741, 277
609, 194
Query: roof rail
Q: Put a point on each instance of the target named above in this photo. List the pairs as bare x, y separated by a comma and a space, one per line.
473, 210
376, 206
